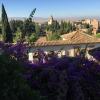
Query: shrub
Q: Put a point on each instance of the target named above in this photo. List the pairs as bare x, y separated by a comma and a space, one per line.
98, 35
12, 85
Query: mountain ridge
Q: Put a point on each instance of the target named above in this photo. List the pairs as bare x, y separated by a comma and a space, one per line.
43, 20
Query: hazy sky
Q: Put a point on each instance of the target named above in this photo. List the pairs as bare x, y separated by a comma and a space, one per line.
57, 8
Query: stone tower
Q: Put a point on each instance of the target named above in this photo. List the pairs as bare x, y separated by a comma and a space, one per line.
50, 21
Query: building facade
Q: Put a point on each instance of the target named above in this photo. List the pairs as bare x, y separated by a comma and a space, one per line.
72, 45
94, 23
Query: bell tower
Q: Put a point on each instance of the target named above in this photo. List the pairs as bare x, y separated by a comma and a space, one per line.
50, 21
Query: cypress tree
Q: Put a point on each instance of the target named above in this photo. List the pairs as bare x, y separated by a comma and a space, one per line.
6, 31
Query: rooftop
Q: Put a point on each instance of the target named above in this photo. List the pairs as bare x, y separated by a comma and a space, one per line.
78, 37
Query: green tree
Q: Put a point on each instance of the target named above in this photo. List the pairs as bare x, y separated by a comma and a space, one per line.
37, 29
33, 38
54, 27
62, 27
32, 14
18, 35
13, 26
0, 28
17, 24
28, 27
98, 35
6, 31
1, 37
53, 36
66, 27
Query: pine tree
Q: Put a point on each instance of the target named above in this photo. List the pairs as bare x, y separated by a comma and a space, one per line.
6, 31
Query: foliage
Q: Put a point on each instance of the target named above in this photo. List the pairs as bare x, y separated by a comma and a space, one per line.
6, 31
0, 28
23, 29
70, 79
12, 85
28, 27
64, 78
53, 27
33, 38
18, 36
1, 37
32, 13
16, 24
64, 27
37, 29
98, 35
53, 36
13, 26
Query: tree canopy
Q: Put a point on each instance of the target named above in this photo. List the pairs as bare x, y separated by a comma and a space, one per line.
6, 31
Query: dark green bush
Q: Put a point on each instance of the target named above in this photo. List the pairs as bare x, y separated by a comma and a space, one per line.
12, 85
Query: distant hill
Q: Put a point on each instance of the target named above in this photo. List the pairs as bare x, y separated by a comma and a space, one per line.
43, 20
36, 19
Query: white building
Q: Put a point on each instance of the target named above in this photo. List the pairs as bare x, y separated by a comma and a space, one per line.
50, 21
71, 44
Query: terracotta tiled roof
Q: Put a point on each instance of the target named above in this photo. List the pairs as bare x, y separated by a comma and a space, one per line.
80, 37
77, 37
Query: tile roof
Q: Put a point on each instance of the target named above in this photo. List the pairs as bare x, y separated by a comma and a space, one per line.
77, 37
80, 37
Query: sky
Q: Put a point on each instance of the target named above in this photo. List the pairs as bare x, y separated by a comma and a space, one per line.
56, 8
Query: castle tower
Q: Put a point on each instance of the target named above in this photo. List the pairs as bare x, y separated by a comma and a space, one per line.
50, 21
95, 25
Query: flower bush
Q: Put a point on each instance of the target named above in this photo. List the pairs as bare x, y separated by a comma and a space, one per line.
12, 85
60, 79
